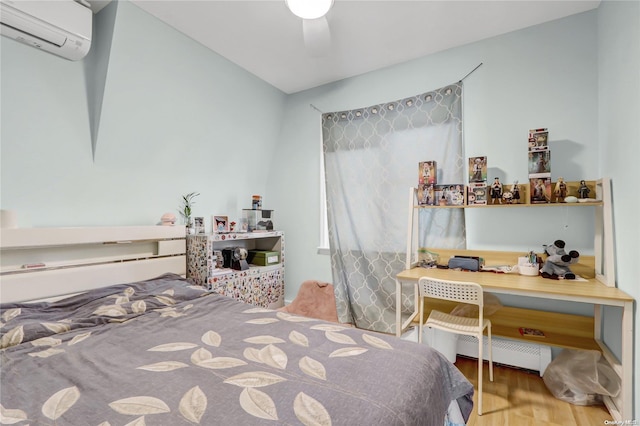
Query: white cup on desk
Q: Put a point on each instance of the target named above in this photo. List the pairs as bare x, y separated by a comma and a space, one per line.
528, 269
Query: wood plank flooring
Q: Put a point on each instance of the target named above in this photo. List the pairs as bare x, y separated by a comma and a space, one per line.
520, 398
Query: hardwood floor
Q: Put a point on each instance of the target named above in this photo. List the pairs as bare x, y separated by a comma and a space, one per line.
520, 398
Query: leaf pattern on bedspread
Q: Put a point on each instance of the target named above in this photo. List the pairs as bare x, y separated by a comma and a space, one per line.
376, 342
10, 314
310, 412
262, 364
211, 338
193, 404
299, 338
60, 402
115, 304
313, 368
13, 337
137, 405
258, 404
11, 416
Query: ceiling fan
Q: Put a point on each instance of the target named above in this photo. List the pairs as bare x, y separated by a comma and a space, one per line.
315, 28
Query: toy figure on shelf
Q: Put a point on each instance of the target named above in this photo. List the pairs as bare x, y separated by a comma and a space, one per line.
515, 192
496, 191
426, 172
560, 190
539, 190
583, 190
556, 265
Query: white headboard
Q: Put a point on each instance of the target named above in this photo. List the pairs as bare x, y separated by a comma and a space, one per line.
43, 262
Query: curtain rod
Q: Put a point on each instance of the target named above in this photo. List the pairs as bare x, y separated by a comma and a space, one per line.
472, 71
462, 79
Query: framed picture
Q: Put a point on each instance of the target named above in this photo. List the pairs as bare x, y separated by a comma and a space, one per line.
198, 224
220, 224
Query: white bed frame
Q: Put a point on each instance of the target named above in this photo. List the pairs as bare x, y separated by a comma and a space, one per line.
37, 263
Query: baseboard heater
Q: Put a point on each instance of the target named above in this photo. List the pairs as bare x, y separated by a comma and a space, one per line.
529, 356
514, 353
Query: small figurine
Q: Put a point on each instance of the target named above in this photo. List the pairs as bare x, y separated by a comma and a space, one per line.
507, 196
426, 172
583, 190
556, 265
539, 190
496, 191
560, 190
515, 192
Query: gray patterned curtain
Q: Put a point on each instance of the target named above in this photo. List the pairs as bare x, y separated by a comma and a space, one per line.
371, 160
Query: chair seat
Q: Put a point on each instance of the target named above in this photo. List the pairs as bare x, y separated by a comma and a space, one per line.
459, 325
464, 292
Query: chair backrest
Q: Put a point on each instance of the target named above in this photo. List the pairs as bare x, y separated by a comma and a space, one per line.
457, 291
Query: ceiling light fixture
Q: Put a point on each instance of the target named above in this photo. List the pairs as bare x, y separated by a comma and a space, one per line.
309, 9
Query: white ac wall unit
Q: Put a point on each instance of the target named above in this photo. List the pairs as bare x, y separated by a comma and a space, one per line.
61, 27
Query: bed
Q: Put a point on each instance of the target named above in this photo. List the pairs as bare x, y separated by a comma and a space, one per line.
162, 351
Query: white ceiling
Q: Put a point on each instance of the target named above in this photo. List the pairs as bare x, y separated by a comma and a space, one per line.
264, 38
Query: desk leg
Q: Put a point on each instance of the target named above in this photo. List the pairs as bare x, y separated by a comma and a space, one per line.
400, 326
621, 408
398, 308
627, 361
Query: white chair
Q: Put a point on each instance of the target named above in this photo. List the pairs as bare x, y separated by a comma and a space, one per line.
464, 292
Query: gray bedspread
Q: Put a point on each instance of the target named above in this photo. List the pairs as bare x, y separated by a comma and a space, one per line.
161, 352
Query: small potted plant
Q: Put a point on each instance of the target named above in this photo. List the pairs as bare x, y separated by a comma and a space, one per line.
186, 210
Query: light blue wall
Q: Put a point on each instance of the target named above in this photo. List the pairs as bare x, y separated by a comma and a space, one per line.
542, 76
577, 76
619, 136
176, 118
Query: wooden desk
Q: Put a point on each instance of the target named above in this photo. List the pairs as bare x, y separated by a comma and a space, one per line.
592, 292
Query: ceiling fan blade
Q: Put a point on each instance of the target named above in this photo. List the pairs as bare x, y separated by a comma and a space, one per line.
317, 37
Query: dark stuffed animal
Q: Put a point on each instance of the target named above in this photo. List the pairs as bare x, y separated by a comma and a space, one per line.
557, 263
